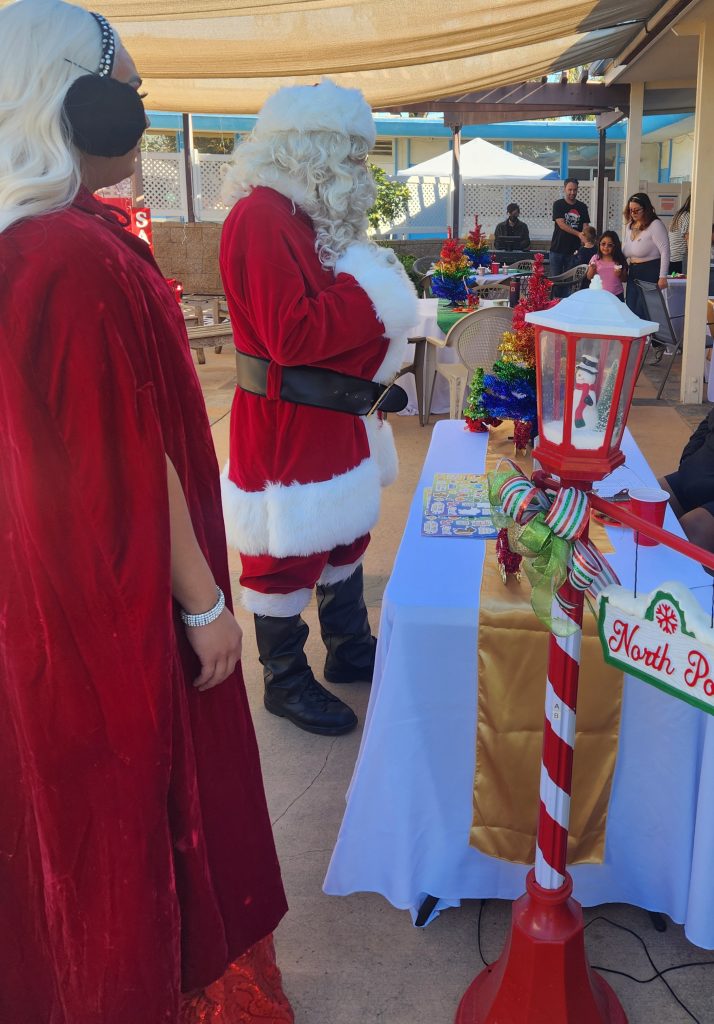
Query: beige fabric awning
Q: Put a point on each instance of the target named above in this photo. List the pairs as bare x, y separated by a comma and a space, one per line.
218, 56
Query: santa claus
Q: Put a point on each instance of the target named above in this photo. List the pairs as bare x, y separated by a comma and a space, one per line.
320, 318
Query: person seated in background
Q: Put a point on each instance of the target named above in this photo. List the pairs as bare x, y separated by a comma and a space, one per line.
512, 234
692, 486
588, 248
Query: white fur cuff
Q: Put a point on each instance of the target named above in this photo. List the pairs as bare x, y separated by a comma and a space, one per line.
337, 573
393, 296
281, 606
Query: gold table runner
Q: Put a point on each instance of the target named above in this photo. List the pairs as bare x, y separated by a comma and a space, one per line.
512, 670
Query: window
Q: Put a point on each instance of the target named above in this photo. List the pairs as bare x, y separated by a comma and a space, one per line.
159, 142
547, 154
582, 160
221, 143
383, 147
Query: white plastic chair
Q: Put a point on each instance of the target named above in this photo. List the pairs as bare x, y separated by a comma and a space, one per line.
476, 337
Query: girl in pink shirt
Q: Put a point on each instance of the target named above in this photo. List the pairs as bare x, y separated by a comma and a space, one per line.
609, 263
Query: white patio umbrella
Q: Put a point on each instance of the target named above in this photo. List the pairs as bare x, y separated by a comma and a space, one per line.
481, 159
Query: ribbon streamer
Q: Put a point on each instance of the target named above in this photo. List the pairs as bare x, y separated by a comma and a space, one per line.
545, 530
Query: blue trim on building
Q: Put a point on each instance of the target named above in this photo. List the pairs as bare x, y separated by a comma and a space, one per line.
564, 153
422, 127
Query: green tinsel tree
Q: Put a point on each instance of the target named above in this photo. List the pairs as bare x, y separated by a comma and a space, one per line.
604, 402
475, 412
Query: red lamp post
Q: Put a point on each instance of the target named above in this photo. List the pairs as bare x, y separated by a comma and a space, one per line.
588, 352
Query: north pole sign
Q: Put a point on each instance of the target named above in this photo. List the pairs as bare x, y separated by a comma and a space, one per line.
664, 638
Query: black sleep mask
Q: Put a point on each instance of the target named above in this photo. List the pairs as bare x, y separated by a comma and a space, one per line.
105, 117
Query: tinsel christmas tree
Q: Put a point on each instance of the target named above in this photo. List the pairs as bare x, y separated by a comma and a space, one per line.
476, 246
604, 402
509, 391
475, 412
452, 273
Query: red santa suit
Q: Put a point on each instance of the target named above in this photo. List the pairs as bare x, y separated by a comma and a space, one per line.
301, 490
136, 854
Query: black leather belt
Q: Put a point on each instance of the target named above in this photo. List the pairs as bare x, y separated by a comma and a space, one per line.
323, 389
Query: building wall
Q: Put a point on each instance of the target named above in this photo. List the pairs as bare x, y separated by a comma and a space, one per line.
649, 163
422, 149
682, 158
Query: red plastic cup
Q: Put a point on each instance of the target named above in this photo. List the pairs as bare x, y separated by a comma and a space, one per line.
650, 503
494, 266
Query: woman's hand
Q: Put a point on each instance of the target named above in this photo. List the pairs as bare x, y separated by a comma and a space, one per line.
218, 647
662, 283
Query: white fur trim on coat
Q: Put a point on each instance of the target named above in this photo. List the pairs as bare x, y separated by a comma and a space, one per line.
381, 275
337, 573
382, 448
281, 606
302, 519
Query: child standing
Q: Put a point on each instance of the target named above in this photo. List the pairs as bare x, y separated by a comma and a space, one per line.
609, 263
589, 247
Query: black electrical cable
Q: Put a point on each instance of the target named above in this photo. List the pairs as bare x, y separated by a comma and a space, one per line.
657, 974
478, 934
623, 974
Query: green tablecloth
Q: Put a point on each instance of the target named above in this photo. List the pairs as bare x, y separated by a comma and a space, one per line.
447, 316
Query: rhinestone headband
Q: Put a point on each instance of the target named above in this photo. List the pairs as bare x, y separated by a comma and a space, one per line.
106, 61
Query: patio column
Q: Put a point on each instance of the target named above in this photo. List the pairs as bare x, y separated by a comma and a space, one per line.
633, 151
456, 181
187, 125
700, 225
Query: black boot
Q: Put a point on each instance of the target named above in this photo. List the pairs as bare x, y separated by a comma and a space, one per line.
291, 690
345, 630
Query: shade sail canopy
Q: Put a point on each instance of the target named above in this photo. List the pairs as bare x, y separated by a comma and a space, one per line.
481, 159
227, 56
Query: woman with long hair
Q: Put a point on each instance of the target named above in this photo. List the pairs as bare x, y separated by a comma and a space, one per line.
138, 877
679, 236
646, 248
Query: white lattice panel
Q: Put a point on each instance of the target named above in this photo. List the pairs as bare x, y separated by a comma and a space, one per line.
614, 207
489, 200
164, 184
210, 168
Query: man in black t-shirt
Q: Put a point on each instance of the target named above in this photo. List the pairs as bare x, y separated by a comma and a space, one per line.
570, 217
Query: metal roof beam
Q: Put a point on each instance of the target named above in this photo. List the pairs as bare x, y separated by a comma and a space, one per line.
524, 102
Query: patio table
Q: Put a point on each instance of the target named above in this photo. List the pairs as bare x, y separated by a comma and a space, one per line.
406, 826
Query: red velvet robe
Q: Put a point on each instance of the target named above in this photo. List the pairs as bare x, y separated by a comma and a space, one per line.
136, 855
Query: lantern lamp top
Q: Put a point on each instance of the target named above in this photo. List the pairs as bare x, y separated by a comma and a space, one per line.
594, 312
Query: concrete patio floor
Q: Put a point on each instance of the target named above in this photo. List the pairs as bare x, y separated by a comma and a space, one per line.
356, 959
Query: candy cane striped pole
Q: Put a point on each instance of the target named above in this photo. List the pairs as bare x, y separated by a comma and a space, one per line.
556, 772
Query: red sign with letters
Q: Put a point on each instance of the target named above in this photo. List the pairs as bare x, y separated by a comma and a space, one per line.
140, 217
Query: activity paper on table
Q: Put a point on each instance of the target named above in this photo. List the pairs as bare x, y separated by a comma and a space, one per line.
457, 505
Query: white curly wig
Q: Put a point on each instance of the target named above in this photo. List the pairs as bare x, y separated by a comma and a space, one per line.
44, 46
311, 144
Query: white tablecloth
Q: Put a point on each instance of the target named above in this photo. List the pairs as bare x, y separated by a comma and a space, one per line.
406, 825
428, 327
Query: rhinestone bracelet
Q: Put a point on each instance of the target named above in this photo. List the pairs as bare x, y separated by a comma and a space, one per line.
205, 617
